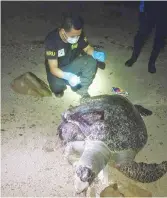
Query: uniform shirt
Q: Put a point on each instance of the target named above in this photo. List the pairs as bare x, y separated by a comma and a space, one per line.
65, 53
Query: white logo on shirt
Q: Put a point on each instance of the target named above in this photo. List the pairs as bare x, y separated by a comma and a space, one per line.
61, 52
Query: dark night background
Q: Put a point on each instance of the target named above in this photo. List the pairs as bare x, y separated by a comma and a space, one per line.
41, 8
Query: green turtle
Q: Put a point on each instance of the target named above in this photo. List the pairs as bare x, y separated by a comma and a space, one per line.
104, 128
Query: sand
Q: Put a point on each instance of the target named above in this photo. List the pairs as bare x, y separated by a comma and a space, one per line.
28, 123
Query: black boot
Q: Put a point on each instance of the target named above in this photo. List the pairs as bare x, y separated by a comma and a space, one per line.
132, 60
151, 68
60, 94
139, 39
153, 57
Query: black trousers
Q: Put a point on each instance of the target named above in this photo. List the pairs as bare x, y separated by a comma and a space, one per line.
147, 21
84, 66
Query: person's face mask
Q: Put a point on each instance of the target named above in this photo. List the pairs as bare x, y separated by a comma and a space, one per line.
72, 40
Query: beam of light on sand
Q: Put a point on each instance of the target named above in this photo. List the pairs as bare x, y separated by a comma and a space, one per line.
101, 84
70, 95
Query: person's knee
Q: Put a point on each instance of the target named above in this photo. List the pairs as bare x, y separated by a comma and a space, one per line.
56, 85
91, 62
91, 59
57, 88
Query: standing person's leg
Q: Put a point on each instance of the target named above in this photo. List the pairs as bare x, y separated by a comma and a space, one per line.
146, 24
57, 85
159, 43
85, 67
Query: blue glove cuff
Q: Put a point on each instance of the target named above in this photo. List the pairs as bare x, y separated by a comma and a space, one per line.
94, 54
66, 76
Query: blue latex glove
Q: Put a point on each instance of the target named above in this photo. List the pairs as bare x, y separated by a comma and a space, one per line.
71, 78
100, 56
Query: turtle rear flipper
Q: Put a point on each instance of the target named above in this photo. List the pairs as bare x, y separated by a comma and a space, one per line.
142, 172
143, 111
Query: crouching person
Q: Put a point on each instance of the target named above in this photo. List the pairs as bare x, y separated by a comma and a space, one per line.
63, 60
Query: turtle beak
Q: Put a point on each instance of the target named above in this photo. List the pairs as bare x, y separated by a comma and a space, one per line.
79, 185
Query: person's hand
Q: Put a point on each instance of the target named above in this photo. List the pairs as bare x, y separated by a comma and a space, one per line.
71, 78
100, 56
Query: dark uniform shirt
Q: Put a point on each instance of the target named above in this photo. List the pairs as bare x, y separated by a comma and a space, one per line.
65, 53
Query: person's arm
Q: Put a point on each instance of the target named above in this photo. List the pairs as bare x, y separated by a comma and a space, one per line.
100, 56
71, 78
89, 50
53, 65
84, 44
51, 55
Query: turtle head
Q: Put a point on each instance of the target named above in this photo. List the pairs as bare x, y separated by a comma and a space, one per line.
84, 176
65, 115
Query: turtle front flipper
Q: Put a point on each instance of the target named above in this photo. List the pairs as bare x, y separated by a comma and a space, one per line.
143, 111
142, 172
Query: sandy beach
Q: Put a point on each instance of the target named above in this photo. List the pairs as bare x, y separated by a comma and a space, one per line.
27, 123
